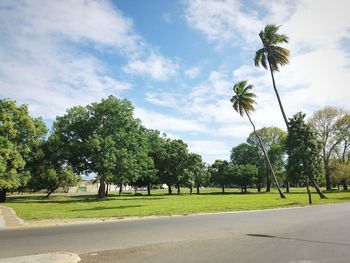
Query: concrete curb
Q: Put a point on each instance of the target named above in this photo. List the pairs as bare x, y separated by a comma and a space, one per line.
2, 221
9, 218
57, 257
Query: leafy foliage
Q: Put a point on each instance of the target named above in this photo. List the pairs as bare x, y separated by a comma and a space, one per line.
19, 135
271, 55
303, 148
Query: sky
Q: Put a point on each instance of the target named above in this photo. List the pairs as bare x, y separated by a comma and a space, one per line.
177, 61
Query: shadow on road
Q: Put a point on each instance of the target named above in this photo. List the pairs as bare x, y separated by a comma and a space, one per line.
298, 239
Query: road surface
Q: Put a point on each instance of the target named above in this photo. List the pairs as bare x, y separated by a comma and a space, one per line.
309, 234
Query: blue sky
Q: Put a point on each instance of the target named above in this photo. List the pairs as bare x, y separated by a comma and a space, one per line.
175, 60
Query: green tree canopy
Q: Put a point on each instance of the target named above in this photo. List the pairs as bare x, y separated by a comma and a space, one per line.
105, 139
19, 136
332, 129
303, 148
221, 174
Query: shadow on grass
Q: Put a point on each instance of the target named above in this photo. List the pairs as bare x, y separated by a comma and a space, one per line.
108, 208
342, 198
234, 193
75, 199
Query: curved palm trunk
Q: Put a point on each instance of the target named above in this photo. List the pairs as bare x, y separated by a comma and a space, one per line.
278, 97
267, 158
313, 182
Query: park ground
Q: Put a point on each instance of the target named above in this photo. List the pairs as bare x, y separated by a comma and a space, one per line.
58, 207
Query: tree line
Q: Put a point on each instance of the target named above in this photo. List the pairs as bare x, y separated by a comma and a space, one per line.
102, 138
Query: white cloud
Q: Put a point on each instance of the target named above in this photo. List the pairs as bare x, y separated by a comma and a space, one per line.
40, 63
162, 122
113, 84
155, 66
161, 99
222, 21
210, 149
319, 68
77, 20
318, 24
193, 72
48, 53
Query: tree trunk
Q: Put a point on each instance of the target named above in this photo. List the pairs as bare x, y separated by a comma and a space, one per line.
3, 195
278, 97
149, 189
107, 189
169, 190
120, 189
102, 188
190, 190
223, 188
287, 186
258, 187
135, 188
268, 181
308, 191
328, 177
198, 190
345, 185
50, 192
318, 190
266, 157
178, 189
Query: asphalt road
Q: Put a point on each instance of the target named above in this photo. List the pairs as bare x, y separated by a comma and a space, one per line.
310, 234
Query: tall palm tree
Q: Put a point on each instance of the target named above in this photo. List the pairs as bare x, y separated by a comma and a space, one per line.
271, 56
243, 103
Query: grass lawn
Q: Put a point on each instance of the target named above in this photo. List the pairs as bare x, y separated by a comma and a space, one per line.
89, 206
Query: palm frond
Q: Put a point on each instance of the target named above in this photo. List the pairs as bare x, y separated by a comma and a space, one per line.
243, 100
260, 58
276, 55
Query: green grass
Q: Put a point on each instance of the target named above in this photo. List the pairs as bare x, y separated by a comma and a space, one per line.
89, 206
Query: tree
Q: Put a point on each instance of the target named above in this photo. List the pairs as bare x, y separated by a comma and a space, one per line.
220, 173
196, 171
243, 175
304, 161
19, 133
103, 138
172, 163
344, 129
271, 56
340, 173
201, 176
154, 144
273, 139
244, 154
331, 130
243, 103
48, 170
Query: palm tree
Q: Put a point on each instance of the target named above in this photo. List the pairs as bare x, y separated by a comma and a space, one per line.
271, 56
243, 103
